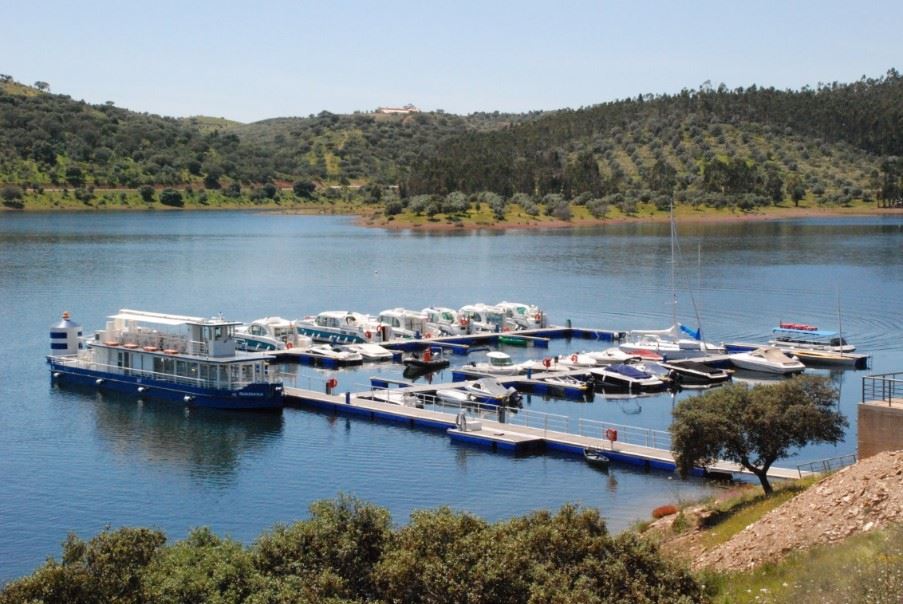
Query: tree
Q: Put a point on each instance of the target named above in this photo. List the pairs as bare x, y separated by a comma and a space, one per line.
147, 193
755, 426
303, 188
171, 197
42, 86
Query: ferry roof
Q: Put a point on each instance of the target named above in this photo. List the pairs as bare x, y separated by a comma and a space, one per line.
810, 333
126, 314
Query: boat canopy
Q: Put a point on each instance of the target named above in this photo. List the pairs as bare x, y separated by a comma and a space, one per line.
804, 334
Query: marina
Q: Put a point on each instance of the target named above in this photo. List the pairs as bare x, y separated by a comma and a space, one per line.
81, 458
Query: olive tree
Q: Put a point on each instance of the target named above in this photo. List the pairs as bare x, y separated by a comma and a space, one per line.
755, 426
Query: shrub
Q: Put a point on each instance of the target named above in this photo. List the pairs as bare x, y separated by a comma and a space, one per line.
171, 197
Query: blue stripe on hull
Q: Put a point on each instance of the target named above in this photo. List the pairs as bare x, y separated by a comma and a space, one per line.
330, 337
255, 397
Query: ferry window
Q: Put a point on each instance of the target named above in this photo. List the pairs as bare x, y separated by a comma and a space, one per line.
223, 375
247, 373
218, 332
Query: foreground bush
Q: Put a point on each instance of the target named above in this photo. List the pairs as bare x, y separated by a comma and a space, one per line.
348, 552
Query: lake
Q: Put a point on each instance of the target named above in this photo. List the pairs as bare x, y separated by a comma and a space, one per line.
78, 461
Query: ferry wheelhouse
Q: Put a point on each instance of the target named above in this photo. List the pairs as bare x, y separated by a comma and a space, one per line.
190, 360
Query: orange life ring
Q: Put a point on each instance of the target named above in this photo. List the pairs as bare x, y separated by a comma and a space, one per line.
463, 321
573, 358
289, 345
538, 316
367, 334
428, 335
332, 383
547, 362
611, 434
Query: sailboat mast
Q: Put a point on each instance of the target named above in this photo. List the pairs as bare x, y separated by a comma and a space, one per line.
673, 260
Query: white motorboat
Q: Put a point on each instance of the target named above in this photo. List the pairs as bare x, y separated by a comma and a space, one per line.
692, 373
576, 360
611, 355
522, 316
371, 352
498, 363
336, 353
406, 323
270, 333
567, 381
626, 377
488, 390
802, 336
767, 359
445, 320
342, 327
482, 318
394, 397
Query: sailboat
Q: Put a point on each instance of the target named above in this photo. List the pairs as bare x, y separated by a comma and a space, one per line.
678, 341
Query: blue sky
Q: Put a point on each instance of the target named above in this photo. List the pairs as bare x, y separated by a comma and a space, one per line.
250, 61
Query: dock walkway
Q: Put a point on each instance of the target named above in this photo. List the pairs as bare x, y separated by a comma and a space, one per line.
507, 436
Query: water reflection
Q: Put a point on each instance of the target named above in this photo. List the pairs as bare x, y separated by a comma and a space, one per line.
208, 444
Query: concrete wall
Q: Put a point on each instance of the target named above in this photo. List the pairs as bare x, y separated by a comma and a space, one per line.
880, 428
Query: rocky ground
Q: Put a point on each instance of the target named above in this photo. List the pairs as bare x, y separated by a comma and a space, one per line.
858, 498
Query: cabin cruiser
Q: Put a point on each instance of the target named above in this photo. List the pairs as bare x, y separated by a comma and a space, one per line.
768, 359
337, 354
498, 363
270, 333
576, 360
408, 324
371, 352
612, 355
481, 318
687, 373
445, 320
522, 316
626, 377
669, 343
342, 327
189, 360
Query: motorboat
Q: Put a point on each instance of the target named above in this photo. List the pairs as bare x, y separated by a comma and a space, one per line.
393, 397
768, 359
489, 391
830, 358
409, 324
522, 316
427, 361
613, 355
796, 336
693, 373
626, 377
371, 352
497, 363
454, 396
342, 327
568, 381
658, 370
189, 360
337, 354
576, 360
481, 318
270, 333
445, 320
596, 457
669, 343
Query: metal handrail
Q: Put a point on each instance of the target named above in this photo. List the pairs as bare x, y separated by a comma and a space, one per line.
633, 435
829, 464
883, 387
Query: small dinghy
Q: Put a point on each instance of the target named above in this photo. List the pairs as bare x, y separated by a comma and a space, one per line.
596, 457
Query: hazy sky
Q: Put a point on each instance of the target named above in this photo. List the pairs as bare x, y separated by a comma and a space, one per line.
254, 60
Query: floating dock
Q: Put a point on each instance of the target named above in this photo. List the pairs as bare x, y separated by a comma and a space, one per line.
506, 435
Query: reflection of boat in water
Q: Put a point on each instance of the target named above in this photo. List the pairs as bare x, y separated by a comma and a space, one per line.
767, 359
596, 457
190, 360
206, 444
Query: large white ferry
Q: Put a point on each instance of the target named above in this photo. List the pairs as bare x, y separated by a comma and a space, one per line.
190, 360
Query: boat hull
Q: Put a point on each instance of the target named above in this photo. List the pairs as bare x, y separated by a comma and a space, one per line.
331, 337
254, 397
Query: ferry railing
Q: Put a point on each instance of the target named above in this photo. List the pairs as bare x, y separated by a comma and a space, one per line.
884, 387
632, 435
83, 363
152, 341
824, 466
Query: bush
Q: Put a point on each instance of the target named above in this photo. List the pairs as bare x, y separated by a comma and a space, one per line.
171, 197
147, 193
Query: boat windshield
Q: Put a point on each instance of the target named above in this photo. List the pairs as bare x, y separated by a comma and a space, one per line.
501, 361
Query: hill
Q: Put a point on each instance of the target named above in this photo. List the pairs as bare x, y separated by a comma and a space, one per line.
709, 147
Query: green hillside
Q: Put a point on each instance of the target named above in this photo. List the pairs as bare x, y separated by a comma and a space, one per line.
709, 147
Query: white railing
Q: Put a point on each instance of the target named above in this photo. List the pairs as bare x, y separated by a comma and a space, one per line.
152, 341
86, 364
632, 435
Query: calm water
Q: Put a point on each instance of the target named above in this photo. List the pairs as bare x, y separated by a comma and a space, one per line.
79, 461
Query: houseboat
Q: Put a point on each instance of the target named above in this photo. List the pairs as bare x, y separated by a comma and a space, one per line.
341, 327
189, 360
